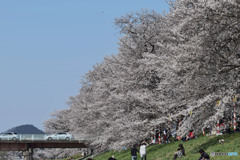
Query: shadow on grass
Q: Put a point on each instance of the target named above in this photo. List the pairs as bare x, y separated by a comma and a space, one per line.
156, 147
211, 142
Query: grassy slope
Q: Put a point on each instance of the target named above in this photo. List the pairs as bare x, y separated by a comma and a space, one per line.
166, 151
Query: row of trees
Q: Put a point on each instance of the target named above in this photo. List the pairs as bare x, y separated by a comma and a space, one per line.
167, 66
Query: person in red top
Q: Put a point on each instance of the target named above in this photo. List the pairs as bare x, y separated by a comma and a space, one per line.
190, 135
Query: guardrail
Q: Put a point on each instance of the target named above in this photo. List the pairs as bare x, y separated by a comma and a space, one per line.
41, 137
32, 136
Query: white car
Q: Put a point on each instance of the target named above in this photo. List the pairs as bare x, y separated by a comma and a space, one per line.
60, 136
9, 136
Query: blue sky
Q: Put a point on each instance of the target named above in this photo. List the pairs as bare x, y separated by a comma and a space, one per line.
47, 46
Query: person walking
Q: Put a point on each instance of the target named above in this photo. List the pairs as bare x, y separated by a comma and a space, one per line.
134, 151
143, 152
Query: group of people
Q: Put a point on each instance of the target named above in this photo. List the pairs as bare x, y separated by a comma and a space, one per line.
189, 136
143, 152
161, 136
181, 152
165, 137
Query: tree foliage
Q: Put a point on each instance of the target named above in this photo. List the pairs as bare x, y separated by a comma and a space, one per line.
168, 68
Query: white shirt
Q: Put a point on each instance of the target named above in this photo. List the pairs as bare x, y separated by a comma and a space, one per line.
142, 150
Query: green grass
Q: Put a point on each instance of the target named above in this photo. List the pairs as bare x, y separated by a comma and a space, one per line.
166, 151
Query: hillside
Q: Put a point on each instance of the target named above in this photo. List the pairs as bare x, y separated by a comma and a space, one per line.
26, 129
166, 151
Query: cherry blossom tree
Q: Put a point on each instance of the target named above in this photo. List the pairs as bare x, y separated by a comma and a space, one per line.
180, 66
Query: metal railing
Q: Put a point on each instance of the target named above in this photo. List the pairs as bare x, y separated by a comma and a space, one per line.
40, 137
32, 136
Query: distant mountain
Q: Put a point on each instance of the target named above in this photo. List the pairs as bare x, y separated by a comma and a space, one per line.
26, 129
